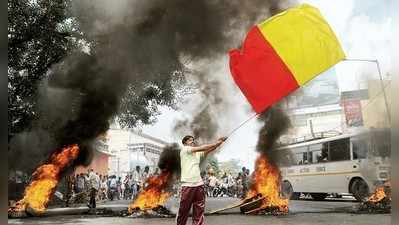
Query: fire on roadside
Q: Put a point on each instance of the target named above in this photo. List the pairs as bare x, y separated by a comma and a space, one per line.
380, 193
266, 184
44, 181
154, 193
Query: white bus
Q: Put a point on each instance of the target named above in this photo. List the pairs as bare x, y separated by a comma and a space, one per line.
345, 164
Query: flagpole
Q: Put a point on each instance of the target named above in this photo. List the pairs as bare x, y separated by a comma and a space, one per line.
242, 124
239, 126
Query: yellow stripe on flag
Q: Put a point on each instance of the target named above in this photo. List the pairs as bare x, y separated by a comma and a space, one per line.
303, 40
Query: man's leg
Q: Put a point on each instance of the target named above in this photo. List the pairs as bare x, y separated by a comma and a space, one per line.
94, 197
199, 205
90, 199
186, 198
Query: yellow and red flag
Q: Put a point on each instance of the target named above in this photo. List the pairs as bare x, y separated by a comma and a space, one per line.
283, 53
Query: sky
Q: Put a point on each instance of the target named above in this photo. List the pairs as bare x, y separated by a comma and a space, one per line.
364, 28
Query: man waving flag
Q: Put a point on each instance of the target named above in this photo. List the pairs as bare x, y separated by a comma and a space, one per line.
283, 53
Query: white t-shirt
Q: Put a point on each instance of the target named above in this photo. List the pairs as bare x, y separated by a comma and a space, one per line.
190, 167
212, 181
94, 180
136, 176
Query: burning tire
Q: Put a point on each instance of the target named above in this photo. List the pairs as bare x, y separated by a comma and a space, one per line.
288, 192
318, 196
359, 189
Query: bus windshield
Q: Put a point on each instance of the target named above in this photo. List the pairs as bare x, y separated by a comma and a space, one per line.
381, 143
359, 148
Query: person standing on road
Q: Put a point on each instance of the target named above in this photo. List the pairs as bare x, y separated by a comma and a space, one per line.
193, 189
145, 175
131, 187
94, 184
104, 188
112, 187
137, 180
213, 181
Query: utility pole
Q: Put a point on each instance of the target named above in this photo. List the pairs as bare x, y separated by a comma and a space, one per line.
383, 91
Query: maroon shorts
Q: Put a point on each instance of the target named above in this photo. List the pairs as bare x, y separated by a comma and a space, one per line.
192, 196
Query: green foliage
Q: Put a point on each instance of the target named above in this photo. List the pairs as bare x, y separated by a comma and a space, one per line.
213, 163
38, 37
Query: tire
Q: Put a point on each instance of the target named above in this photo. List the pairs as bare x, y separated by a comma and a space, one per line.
318, 196
215, 192
288, 192
359, 189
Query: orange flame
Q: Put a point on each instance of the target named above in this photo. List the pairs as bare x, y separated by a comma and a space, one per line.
154, 193
266, 181
45, 180
378, 195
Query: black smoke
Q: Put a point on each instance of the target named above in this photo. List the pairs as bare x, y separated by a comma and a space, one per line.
134, 59
169, 160
213, 102
275, 123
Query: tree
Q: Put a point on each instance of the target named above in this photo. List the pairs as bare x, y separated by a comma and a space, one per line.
213, 163
39, 35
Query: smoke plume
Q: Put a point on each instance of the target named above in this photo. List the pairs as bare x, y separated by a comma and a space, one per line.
169, 160
135, 59
213, 98
275, 123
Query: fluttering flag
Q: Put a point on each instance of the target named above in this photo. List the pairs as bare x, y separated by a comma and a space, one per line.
283, 53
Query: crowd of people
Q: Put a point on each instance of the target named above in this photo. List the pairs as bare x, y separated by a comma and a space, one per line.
226, 184
94, 186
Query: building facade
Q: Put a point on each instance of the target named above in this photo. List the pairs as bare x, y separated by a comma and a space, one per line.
130, 148
100, 160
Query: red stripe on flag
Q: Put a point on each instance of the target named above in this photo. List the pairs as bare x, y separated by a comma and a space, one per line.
259, 72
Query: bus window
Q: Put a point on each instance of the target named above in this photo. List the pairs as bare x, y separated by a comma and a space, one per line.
299, 158
285, 157
324, 153
301, 155
315, 153
339, 150
381, 140
359, 148
384, 150
307, 158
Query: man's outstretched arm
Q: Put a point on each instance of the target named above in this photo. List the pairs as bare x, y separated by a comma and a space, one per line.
207, 147
223, 139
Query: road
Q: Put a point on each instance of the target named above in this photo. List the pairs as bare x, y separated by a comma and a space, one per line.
304, 212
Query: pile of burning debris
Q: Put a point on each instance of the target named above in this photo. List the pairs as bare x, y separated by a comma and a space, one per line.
44, 182
156, 212
256, 206
378, 202
149, 203
264, 197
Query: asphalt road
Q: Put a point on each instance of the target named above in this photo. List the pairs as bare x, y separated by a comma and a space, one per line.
331, 212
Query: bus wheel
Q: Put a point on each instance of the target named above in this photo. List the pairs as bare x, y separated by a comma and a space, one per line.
359, 189
288, 191
318, 196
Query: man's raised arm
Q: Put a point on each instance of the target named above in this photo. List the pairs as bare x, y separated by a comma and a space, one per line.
208, 147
